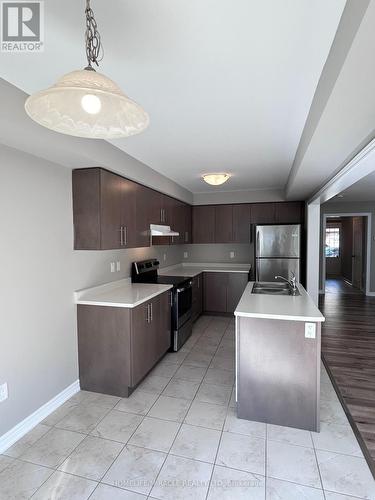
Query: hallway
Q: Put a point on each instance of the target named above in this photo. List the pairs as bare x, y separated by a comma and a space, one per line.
348, 349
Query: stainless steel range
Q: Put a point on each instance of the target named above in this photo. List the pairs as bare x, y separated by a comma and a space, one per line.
146, 271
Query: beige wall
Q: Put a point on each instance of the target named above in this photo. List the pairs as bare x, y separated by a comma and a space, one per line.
39, 272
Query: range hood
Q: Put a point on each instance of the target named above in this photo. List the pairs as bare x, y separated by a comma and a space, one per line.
157, 230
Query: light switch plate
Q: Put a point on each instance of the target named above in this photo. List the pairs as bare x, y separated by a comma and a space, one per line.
231, 255
186, 255
118, 266
3, 392
113, 268
310, 330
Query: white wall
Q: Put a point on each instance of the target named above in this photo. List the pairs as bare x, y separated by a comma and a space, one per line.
213, 197
39, 272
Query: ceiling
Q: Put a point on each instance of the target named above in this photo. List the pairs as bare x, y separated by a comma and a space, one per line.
228, 85
363, 190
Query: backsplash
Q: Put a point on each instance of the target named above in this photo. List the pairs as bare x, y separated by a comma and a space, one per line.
219, 252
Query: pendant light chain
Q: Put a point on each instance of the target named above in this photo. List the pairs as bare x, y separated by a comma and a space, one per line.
94, 47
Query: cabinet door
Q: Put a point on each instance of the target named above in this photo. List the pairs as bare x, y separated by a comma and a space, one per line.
289, 212
111, 210
215, 292
178, 222
161, 318
236, 285
188, 223
204, 224
128, 213
223, 223
155, 205
142, 345
197, 296
241, 223
263, 213
142, 219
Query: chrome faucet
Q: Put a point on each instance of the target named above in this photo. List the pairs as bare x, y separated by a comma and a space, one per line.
292, 282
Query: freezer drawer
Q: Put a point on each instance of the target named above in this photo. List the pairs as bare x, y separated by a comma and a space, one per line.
267, 269
278, 241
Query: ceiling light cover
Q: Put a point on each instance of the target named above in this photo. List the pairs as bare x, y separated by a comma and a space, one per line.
216, 179
85, 103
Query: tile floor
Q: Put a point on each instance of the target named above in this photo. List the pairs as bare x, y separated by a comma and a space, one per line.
177, 437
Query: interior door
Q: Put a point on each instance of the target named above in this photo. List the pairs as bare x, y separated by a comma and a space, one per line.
357, 256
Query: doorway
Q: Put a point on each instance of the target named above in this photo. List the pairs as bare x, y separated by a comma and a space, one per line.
345, 262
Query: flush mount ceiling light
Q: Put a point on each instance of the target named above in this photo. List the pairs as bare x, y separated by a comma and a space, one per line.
215, 179
85, 103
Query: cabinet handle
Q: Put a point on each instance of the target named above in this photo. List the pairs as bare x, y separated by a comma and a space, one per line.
151, 312
121, 236
161, 215
171, 298
125, 235
148, 313
198, 282
186, 236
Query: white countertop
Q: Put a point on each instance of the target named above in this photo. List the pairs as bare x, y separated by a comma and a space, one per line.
289, 307
120, 293
189, 270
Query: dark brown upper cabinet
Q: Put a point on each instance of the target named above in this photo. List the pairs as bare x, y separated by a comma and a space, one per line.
104, 207
291, 212
262, 213
242, 223
224, 224
204, 224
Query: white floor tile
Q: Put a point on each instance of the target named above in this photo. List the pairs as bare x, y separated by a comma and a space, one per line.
106, 492
182, 479
164, 370
332, 411
197, 443
5, 462
155, 434
139, 402
292, 463
346, 475
168, 408
241, 426
242, 452
181, 389
20, 480
117, 425
135, 469
53, 448
289, 435
206, 415
192, 373
92, 458
337, 438
217, 394
154, 384
219, 377
284, 490
83, 418
23, 444
65, 486
230, 484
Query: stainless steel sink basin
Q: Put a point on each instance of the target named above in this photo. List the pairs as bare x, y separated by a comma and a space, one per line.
273, 289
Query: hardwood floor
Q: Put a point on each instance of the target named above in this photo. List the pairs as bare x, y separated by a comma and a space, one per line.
348, 348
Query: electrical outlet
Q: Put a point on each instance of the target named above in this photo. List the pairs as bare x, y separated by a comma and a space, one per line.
186, 255
118, 266
310, 330
113, 267
3, 392
165, 257
231, 255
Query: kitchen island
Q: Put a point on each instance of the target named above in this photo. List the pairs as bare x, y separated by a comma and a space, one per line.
278, 347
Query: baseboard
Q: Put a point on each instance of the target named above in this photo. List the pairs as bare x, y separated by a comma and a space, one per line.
19, 430
370, 294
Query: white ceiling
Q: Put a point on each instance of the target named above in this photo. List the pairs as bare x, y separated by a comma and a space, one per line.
363, 190
228, 85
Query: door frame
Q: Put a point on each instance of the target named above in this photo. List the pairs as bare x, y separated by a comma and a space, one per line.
368, 247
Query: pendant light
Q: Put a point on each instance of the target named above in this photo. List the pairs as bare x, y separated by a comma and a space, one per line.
86, 103
215, 179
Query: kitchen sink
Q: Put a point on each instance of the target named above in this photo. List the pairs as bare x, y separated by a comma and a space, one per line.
273, 289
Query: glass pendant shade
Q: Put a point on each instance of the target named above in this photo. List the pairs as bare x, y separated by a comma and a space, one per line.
216, 179
85, 103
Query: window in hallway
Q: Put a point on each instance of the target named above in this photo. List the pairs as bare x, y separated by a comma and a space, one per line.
332, 242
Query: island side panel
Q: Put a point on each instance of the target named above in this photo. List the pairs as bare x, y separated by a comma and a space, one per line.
104, 349
278, 372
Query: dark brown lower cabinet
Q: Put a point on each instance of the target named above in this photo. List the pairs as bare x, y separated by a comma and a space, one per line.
197, 296
222, 291
118, 346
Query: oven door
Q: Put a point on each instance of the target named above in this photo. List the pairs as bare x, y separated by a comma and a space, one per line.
183, 304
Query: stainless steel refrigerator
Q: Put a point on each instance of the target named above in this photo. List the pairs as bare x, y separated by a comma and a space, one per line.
277, 251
